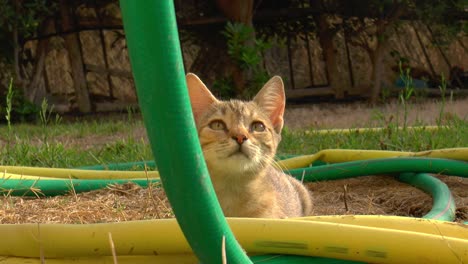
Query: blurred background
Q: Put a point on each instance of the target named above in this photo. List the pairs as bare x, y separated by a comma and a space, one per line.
73, 54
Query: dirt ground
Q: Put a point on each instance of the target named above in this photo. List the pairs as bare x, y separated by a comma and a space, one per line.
334, 115
374, 195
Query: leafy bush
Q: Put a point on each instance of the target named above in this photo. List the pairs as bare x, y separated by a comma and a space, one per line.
15, 107
246, 50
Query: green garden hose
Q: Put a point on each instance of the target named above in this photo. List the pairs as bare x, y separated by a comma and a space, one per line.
127, 166
140, 165
43, 187
281, 259
158, 69
443, 204
381, 166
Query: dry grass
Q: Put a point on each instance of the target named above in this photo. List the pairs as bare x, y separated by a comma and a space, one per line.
116, 203
383, 195
369, 195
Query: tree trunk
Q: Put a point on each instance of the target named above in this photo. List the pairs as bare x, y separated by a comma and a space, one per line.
377, 70
239, 11
16, 48
16, 51
72, 44
381, 34
36, 91
326, 42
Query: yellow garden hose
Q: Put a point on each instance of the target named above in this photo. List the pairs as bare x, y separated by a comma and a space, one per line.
344, 155
374, 239
15, 172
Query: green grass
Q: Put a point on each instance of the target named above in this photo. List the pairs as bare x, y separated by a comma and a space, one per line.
389, 138
72, 144
55, 143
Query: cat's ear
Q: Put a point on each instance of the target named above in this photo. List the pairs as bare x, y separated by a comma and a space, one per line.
272, 100
200, 97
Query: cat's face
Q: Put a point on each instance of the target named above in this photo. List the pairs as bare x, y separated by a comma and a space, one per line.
238, 137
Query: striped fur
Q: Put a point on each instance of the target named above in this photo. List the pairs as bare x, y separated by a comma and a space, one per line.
239, 141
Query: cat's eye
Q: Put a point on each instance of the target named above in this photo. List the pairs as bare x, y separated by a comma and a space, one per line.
217, 125
257, 126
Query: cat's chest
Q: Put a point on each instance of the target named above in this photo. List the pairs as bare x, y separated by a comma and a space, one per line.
255, 199
261, 205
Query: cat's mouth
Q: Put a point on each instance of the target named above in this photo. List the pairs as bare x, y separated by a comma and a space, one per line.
238, 152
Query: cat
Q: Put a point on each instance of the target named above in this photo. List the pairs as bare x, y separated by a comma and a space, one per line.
239, 141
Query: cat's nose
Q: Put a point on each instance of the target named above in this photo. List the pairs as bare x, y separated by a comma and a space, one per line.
240, 139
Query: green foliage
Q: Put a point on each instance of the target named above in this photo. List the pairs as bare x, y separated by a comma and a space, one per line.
406, 93
9, 106
399, 59
223, 88
443, 90
238, 37
441, 17
45, 117
45, 114
246, 50
25, 18
16, 108
20, 20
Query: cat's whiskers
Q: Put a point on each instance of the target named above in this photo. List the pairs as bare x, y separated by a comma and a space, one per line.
267, 160
278, 165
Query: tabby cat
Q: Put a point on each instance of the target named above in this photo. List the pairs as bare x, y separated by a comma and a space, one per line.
239, 141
